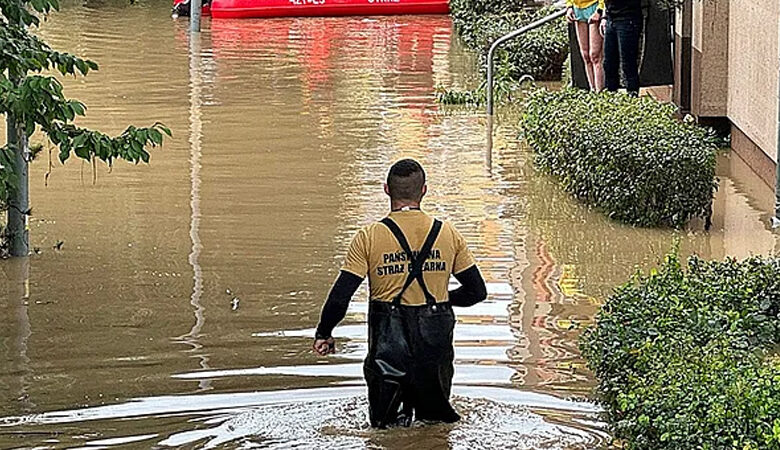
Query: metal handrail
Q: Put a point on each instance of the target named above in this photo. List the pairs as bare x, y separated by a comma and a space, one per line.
509, 37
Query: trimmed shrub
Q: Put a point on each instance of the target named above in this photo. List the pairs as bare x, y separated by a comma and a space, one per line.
539, 53
629, 157
684, 359
462, 8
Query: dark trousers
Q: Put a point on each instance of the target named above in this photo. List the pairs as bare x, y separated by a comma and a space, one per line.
621, 50
409, 366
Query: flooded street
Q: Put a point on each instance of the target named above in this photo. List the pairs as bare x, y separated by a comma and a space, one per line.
173, 305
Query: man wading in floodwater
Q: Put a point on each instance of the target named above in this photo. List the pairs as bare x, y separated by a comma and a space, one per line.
408, 258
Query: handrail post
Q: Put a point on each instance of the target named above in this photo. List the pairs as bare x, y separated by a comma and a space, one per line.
509, 37
196, 12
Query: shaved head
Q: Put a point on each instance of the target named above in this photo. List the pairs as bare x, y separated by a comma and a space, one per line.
406, 181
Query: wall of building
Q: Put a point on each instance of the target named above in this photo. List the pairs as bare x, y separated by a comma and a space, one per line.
710, 53
754, 71
683, 28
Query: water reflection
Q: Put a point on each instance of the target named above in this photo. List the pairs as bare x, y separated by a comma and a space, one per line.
196, 136
16, 277
575, 235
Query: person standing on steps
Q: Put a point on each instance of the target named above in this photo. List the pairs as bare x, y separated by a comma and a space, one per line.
408, 258
586, 16
622, 28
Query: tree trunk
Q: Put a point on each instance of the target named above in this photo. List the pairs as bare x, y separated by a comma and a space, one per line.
18, 232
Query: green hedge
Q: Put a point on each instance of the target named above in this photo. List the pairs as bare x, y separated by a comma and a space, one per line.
684, 358
463, 8
631, 158
540, 53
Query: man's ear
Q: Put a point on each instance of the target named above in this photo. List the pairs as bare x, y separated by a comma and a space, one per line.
387, 189
424, 190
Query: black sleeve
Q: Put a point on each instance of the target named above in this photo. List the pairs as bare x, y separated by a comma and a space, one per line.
472, 289
338, 301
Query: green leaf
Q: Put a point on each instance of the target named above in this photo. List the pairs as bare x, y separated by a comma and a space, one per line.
82, 66
80, 140
78, 108
155, 136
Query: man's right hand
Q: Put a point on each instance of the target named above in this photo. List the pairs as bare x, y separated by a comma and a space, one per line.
324, 347
570, 14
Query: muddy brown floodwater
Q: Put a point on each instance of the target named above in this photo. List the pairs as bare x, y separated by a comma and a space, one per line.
179, 309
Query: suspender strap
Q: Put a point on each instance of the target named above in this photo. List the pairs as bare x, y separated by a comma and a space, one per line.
401, 238
416, 264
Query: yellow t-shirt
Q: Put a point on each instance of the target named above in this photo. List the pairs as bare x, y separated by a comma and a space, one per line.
375, 252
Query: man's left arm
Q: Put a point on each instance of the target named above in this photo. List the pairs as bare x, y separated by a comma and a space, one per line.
336, 306
352, 274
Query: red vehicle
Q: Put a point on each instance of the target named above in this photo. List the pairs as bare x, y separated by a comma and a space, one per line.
304, 8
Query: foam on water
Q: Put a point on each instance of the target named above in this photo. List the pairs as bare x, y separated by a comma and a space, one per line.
321, 418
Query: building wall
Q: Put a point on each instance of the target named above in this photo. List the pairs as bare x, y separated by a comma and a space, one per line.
681, 91
754, 70
710, 52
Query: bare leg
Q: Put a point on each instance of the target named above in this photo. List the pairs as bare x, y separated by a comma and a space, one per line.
584, 41
597, 57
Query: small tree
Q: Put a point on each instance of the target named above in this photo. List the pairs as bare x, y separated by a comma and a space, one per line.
32, 100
